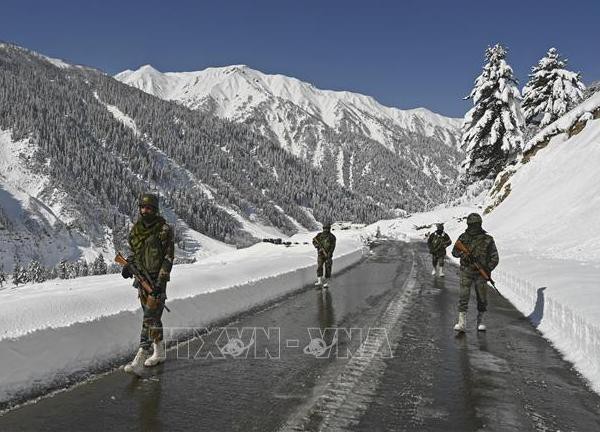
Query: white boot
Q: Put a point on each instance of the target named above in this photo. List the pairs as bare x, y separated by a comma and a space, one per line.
325, 282
158, 356
480, 325
434, 271
319, 281
138, 361
441, 274
461, 325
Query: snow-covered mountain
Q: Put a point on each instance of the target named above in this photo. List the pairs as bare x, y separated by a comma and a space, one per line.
77, 147
313, 124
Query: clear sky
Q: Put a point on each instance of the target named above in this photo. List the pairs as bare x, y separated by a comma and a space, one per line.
404, 53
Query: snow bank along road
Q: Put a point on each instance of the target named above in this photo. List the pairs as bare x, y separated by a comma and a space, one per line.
75, 326
410, 373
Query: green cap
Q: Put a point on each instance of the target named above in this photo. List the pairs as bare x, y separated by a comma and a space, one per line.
474, 219
149, 199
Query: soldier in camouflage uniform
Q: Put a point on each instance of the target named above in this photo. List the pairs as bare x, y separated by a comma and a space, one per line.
325, 244
483, 250
153, 249
437, 242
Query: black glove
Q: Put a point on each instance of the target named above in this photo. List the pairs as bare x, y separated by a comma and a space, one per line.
126, 273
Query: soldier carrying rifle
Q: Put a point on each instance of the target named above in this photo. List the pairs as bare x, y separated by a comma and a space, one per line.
153, 249
324, 242
437, 242
478, 257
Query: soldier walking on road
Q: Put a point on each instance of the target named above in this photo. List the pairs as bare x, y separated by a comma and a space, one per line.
438, 241
153, 249
325, 244
482, 250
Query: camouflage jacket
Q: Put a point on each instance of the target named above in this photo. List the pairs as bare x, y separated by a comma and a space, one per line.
482, 247
325, 242
438, 243
153, 247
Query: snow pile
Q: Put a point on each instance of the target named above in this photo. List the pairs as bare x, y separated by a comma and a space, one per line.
73, 326
547, 232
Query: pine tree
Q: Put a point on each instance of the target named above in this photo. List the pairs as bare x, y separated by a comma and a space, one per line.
61, 270
83, 268
19, 275
99, 265
551, 90
35, 272
492, 129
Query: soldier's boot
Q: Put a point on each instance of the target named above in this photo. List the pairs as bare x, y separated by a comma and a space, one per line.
461, 325
441, 274
434, 271
158, 356
319, 281
480, 325
138, 361
325, 282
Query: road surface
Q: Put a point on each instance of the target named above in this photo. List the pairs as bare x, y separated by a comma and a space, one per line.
375, 352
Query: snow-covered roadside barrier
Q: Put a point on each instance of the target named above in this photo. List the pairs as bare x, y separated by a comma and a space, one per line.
54, 331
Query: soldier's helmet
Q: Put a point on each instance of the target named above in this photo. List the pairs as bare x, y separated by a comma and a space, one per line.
326, 226
474, 219
440, 226
149, 199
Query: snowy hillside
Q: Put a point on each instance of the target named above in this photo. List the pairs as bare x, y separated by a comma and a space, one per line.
317, 125
78, 147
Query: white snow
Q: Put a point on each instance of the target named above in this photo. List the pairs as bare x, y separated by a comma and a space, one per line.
36, 226
120, 116
238, 89
85, 323
546, 231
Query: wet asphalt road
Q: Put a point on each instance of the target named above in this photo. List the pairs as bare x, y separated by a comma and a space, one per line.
288, 373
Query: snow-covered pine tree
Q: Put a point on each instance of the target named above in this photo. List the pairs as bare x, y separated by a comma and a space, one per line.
19, 275
61, 269
492, 129
99, 265
72, 270
551, 91
35, 272
83, 268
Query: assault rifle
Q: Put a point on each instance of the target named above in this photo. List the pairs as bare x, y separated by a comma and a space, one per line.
320, 247
462, 248
146, 285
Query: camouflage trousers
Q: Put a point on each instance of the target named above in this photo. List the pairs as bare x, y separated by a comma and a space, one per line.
438, 260
322, 260
152, 328
468, 279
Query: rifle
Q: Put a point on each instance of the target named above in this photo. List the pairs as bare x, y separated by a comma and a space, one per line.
461, 247
145, 282
320, 246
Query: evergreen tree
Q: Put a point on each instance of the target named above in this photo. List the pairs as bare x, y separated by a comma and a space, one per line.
19, 275
61, 270
83, 268
35, 272
2, 277
492, 129
551, 90
99, 265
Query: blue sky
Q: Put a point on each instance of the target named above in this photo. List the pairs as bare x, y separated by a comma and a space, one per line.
403, 53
